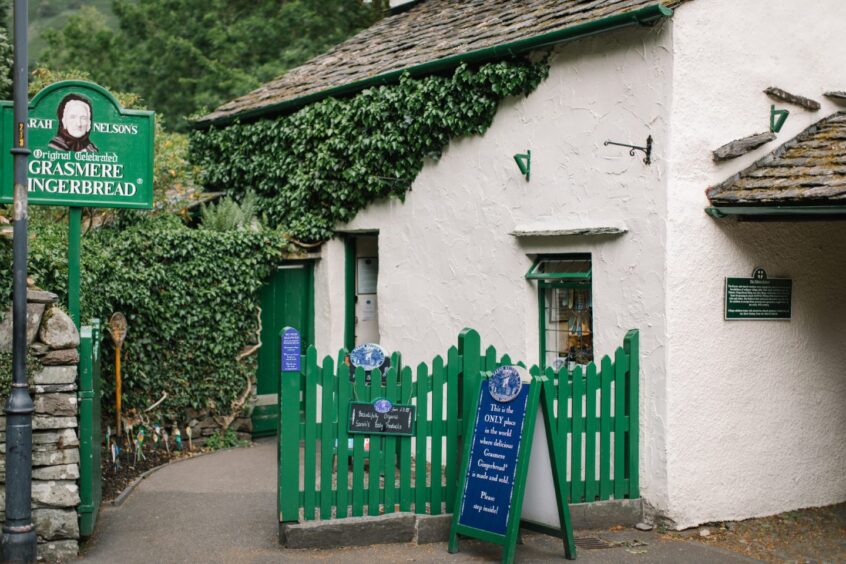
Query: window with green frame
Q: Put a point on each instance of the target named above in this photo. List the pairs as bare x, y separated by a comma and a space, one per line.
565, 307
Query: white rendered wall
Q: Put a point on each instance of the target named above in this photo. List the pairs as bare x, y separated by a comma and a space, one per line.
447, 260
757, 409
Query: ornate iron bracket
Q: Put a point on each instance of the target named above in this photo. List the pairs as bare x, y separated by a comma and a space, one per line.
632, 148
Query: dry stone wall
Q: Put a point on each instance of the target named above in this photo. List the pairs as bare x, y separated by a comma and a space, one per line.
52, 339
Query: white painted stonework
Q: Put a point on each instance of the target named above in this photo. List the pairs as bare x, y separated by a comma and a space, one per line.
737, 418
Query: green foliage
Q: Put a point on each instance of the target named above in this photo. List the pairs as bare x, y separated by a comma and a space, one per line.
324, 163
190, 297
193, 54
228, 214
7, 59
224, 439
32, 366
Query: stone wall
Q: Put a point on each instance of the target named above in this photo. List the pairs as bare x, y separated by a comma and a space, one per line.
52, 339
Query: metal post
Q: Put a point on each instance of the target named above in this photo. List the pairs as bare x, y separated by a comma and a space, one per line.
19, 543
74, 243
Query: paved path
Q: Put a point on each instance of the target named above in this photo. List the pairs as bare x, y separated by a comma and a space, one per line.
220, 508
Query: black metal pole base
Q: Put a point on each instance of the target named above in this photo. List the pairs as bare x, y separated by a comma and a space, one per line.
19, 546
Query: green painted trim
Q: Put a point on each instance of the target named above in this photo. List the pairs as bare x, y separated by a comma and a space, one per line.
74, 268
349, 293
542, 286
720, 212
642, 16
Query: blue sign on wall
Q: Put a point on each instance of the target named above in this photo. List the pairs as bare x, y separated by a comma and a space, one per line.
291, 348
492, 468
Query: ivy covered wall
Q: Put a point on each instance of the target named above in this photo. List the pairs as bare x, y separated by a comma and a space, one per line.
329, 160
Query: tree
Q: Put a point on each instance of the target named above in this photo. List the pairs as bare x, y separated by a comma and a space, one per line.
7, 59
187, 56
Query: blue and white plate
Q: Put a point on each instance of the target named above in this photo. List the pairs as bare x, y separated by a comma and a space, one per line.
369, 356
505, 383
382, 405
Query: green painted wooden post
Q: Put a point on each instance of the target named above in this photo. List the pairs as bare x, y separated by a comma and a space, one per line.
74, 270
591, 427
452, 427
565, 423
310, 439
390, 455
375, 467
619, 430
359, 394
557, 449
328, 436
631, 344
437, 435
605, 484
288, 452
343, 438
490, 359
469, 347
405, 445
578, 484
420, 439
87, 440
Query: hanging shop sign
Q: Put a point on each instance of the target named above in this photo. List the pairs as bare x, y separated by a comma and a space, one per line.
86, 151
758, 297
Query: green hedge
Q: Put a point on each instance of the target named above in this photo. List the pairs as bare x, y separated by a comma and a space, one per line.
324, 163
190, 297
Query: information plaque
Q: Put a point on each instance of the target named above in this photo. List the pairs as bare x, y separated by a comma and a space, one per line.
758, 297
291, 350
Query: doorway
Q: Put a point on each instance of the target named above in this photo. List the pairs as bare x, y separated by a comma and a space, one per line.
286, 301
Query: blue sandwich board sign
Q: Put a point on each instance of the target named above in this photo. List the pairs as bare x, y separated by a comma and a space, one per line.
496, 460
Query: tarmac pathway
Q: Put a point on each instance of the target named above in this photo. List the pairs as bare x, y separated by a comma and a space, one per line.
220, 508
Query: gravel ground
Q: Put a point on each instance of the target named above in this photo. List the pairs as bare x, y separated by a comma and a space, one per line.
807, 535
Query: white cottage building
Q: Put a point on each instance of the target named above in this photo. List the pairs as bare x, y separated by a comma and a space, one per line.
738, 418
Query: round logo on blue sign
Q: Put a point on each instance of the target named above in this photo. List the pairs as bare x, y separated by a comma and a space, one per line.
505, 383
382, 405
368, 356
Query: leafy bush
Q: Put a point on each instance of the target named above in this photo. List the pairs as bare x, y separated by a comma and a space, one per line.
324, 163
224, 439
190, 297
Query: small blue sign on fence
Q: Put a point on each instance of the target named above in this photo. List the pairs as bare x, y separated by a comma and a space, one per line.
291, 349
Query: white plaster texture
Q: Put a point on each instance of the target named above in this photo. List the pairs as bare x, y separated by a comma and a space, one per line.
756, 409
447, 260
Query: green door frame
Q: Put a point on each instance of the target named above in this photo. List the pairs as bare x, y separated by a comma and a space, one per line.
274, 318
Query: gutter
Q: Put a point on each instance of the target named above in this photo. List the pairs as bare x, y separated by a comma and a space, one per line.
647, 16
795, 212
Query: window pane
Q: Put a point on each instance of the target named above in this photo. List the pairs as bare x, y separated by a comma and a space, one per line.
569, 326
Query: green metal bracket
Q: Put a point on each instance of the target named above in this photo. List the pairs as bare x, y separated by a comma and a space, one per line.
777, 118
524, 162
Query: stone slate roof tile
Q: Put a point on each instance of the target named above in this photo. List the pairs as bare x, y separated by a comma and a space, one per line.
429, 31
810, 169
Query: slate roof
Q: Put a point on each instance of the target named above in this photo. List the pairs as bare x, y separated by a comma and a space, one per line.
429, 31
810, 169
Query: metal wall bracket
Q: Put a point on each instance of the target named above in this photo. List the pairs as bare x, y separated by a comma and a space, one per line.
632, 148
524, 163
777, 119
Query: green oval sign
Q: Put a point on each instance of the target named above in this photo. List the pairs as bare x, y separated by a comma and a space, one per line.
86, 149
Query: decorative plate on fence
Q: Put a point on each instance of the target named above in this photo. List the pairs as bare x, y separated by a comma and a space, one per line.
505, 383
369, 356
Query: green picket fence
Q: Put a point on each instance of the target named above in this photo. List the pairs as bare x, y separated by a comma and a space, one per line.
322, 474
90, 485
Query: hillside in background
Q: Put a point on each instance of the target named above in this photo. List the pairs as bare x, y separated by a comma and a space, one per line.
54, 14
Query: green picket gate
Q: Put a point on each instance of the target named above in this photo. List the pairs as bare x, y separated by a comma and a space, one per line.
321, 477
90, 484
